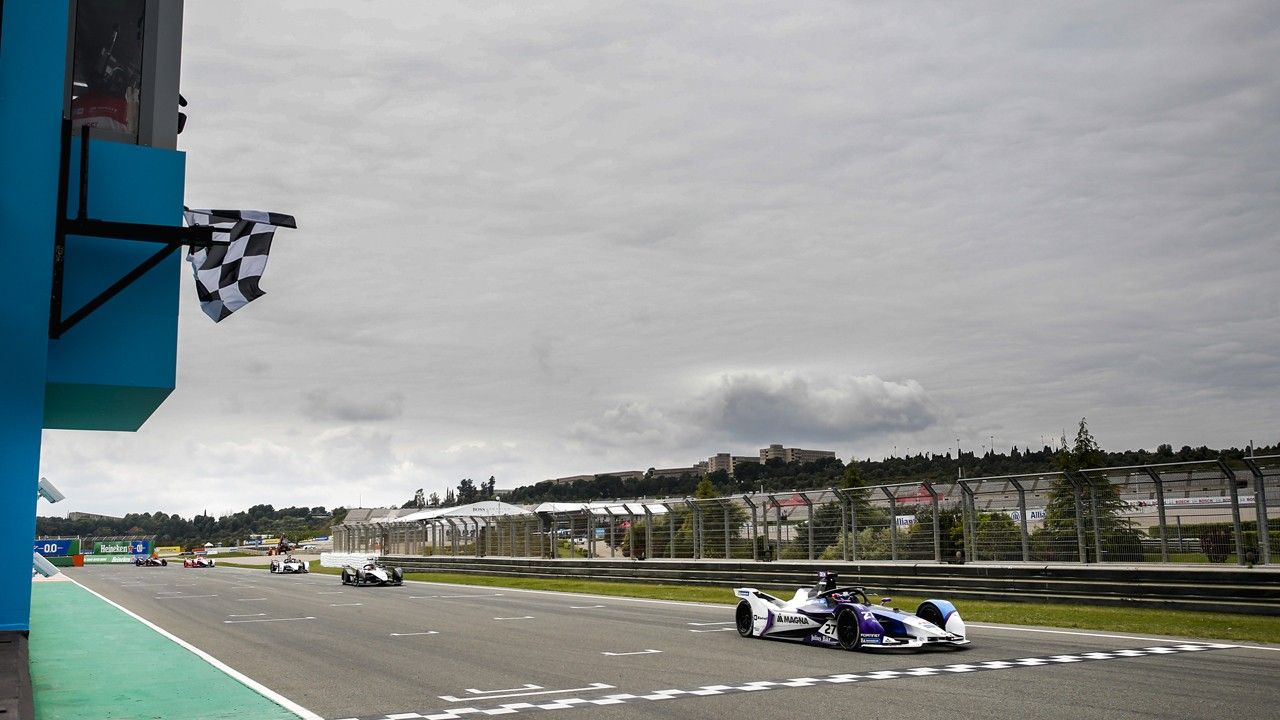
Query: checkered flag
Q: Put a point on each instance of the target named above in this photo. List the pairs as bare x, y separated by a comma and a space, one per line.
227, 275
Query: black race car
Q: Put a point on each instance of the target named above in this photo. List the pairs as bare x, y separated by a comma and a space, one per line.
149, 562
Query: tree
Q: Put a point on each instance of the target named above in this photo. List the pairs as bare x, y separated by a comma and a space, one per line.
433, 500
467, 492
1097, 497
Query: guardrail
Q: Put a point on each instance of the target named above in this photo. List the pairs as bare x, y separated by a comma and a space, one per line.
1229, 589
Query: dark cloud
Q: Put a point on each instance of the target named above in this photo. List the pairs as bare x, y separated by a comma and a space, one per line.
328, 405
761, 408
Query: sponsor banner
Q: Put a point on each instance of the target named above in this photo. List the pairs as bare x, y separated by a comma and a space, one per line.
107, 559
1141, 507
58, 548
122, 547
1033, 515
169, 549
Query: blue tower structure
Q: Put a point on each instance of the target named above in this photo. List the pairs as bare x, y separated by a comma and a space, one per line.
89, 294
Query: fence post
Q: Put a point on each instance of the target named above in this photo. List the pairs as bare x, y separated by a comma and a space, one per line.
853, 531
844, 525
1075, 495
1164, 525
1022, 516
728, 548
1094, 514
695, 519
937, 530
671, 531
809, 505
893, 523
755, 548
648, 529
1260, 510
1235, 510
777, 508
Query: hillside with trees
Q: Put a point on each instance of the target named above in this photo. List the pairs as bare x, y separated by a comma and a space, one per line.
778, 476
296, 523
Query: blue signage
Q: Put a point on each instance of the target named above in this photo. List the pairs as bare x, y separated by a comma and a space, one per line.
140, 547
53, 548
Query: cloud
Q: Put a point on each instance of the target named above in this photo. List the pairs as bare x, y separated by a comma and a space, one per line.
324, 405
754, 408
795, 409
631, 424
945, 220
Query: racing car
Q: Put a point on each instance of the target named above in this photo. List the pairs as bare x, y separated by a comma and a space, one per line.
198, 561
371, 574
833, 616
289, 564
149, 562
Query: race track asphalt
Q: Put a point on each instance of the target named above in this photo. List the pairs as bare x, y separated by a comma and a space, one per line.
425, 649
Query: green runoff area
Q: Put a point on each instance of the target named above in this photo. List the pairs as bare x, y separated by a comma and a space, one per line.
91, 661
1150, 621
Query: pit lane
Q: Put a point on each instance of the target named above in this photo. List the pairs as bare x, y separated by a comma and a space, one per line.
429, 649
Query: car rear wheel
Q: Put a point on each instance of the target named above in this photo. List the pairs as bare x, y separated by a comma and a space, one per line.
848, 631
743, 619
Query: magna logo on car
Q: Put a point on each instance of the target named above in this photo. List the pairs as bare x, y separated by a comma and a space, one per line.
793, 619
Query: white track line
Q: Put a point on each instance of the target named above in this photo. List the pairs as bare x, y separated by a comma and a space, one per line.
592, 686
229, 622
249, 682
1070, 632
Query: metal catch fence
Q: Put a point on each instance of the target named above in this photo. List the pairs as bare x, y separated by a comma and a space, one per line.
1187, 512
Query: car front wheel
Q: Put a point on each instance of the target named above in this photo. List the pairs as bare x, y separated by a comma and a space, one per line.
743, 619
848, 631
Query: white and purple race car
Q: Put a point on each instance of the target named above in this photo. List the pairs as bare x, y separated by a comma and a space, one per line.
833, 616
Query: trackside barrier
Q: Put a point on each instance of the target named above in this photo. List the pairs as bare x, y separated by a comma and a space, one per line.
1210, 512
337, 560
1228, 589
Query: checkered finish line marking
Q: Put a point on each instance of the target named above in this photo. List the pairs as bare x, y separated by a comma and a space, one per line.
839, 679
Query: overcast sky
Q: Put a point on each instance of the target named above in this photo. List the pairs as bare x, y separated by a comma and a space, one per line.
546, 239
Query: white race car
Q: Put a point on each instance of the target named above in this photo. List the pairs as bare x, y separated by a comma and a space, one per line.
833, 616
289, 564
371, 574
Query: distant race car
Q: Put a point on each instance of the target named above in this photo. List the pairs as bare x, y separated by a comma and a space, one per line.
371, 574
149, 562
198, 561
833, 616
289, 564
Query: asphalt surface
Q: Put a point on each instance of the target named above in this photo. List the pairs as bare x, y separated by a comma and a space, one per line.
428, 648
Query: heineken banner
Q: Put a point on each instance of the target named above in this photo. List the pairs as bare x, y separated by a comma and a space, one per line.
103, 559
122, 547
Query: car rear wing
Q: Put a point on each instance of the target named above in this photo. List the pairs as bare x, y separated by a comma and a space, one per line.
753, 592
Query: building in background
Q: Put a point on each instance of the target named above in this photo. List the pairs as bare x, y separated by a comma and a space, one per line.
790, 455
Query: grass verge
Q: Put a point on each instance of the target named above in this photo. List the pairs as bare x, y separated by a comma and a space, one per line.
1138, 621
